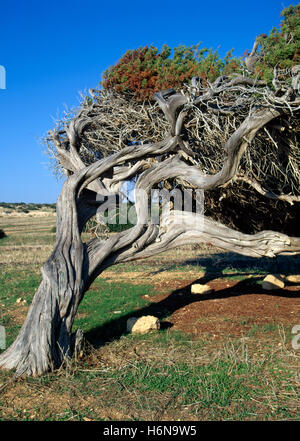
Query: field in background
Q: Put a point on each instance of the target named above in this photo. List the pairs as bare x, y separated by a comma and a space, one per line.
226, 355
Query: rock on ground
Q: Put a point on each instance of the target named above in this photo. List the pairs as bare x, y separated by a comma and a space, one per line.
293, 279
273, 282
143, 324
197, 288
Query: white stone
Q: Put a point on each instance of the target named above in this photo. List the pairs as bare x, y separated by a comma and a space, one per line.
143, 324
272, 282
293, 279
197, 288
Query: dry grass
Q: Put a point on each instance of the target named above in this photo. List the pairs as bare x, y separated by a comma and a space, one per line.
164, 376
29, 238
125, 381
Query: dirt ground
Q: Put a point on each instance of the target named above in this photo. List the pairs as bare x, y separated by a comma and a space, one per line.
238, 316
232, 309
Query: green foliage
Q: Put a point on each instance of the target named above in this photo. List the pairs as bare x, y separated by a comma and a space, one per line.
281, 48
114, 221
146, 70
142, 72
118, 225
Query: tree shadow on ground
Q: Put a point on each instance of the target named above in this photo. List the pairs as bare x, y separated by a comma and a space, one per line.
180, 298
218, 262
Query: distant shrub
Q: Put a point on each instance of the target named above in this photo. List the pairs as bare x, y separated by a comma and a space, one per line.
53, 229
2, 234
26, 208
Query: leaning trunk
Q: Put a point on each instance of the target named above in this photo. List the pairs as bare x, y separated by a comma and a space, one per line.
44, 341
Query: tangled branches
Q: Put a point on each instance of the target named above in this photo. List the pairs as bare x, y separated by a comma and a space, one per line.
202, 138
208, 114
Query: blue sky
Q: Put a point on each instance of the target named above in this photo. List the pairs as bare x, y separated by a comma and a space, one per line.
51, 50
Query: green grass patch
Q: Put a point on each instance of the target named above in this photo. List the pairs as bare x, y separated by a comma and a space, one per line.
258, 328
14, 284
106, 307
27, 239
167, 375
209, 384
103, 311
173, 378
11, 329
5, 240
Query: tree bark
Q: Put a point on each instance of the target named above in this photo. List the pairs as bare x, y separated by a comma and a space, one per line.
45, 340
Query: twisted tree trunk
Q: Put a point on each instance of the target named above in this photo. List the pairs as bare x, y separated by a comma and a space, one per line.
45, 339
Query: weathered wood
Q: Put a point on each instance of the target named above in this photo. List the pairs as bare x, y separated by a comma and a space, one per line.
45, 339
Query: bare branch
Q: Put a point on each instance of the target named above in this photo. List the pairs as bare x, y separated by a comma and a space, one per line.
267, 193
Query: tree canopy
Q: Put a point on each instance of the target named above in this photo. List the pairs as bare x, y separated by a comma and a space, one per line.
142, 72
233, 135
127, 113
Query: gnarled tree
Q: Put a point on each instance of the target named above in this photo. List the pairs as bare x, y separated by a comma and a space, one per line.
204, 137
